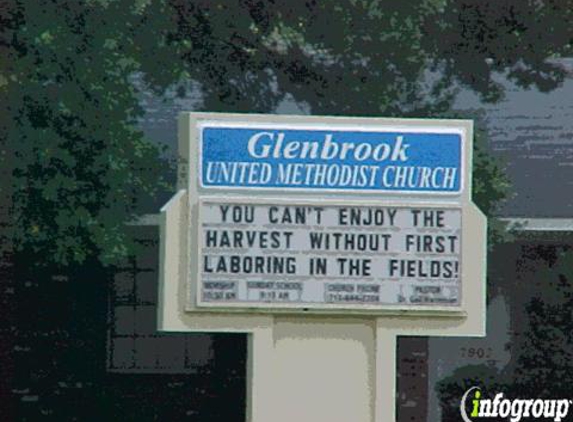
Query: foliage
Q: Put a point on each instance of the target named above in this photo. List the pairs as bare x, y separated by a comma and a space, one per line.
77, 164
451, 389
361, 57
543, 353
490, 184
68, 134
545, 356
476, 38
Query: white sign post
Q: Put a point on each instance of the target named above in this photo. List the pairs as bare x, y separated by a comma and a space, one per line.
324, 239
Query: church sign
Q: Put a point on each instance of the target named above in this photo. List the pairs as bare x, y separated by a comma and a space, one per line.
314, 216
322, 237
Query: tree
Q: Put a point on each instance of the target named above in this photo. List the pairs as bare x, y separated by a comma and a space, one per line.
514, 37
545, 356
361, 57
78, 164
543, 351
69, 131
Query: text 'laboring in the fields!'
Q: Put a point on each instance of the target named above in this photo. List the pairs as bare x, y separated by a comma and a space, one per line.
331, 159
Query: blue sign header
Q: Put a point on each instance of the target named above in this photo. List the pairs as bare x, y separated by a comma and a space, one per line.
347, 160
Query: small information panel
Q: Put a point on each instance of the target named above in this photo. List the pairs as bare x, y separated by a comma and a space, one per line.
271, 253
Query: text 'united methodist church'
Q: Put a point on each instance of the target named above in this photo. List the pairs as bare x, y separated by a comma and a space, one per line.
331, 159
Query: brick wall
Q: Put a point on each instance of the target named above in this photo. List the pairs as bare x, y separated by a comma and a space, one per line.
412, 379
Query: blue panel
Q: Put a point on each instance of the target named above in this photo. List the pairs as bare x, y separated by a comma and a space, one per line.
331, 159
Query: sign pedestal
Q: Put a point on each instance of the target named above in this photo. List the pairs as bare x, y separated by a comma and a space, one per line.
318, 370
335, 361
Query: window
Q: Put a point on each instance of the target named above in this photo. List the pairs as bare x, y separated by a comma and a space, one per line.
134, 344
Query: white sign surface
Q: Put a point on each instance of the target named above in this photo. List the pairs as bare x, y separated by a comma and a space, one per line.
271, 254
